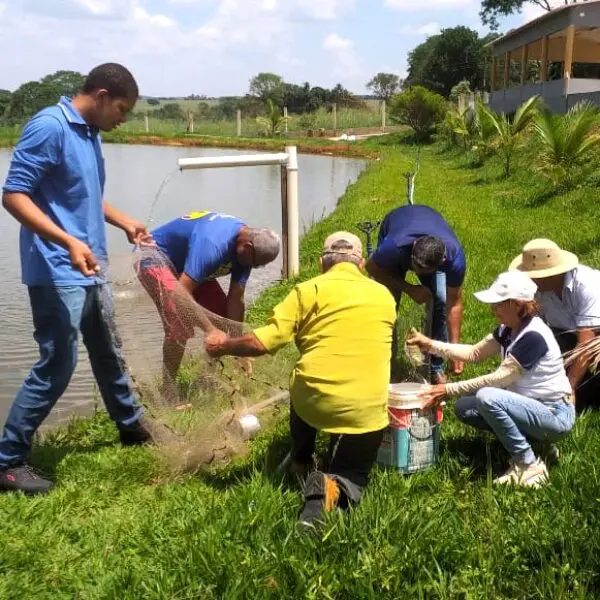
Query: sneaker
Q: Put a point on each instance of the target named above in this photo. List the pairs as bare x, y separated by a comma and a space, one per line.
533, 475
23, 478
322, 494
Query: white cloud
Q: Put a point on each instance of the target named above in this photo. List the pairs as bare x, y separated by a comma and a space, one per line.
324, 10
440, 5
334, 42
346, 63
431, 28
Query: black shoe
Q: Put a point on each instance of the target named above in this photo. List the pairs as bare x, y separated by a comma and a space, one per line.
145, 431
23, 478
322, 494
137, 435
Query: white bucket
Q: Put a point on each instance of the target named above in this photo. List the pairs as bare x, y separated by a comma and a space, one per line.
406, 395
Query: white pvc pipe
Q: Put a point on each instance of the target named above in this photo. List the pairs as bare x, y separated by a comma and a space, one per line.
293, 234
244, 160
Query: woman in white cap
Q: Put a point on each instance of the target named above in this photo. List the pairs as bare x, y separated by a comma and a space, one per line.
569, 298
529, 396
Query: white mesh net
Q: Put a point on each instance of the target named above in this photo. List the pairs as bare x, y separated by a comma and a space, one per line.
160, 330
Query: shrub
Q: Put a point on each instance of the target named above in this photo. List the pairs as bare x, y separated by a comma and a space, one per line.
420, 109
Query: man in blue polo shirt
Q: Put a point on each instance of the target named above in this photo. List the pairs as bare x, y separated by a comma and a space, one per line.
417, 238
201, 247
54, 188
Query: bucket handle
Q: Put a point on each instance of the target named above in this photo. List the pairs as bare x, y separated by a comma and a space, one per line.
432, 428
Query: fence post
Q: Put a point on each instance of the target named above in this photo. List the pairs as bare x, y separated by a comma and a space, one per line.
335, 118
462, 103
292, 231
285, 116
383, 115
239, 123
146, 124
191, 124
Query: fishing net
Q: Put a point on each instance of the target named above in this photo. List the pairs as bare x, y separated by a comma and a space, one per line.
203, 409
200, 410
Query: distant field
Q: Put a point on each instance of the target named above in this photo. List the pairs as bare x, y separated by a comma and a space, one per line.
143, 106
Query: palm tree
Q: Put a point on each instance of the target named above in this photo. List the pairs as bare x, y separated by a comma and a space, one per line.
565, 141
509, 131
476, 128
273, 122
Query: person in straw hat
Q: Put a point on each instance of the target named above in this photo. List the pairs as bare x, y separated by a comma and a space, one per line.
528, 397
569, 298
342, 323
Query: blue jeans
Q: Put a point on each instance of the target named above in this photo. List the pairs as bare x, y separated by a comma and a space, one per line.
439, 328
516, 419
59, 313
439, 323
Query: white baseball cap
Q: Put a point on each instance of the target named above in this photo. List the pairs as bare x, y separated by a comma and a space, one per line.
513, 285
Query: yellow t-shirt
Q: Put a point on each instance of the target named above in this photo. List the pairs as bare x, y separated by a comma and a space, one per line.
342, 324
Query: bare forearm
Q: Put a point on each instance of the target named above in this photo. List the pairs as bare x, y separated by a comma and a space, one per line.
248, 345
455, 313
578, 368
24, 210
113, 216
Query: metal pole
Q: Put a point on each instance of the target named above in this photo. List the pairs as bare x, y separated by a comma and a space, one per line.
285, 116
146, 124
383, 116
239, 123
293, 229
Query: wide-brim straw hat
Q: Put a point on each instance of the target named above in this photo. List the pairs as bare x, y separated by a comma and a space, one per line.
543, 258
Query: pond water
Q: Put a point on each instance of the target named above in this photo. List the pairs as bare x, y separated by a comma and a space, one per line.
134, 175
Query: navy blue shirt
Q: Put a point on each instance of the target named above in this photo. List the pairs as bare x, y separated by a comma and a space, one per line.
58, 163
202, 245
399, 231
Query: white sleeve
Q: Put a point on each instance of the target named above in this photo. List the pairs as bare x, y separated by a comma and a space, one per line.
508, 372
587, 304
479, 352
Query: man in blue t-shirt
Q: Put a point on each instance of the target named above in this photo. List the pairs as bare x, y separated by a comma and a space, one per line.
417, 238
54, 188
201, 247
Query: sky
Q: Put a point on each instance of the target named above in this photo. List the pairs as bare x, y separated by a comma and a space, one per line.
214, 47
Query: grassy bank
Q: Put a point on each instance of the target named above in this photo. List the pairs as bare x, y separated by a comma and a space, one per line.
306, 145
115, 528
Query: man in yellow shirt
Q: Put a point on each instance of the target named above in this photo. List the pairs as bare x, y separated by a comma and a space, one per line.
342, 323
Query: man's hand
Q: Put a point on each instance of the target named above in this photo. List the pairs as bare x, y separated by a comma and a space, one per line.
213, 342
434, 395
82, 258
419, 293
456, 367
137, 233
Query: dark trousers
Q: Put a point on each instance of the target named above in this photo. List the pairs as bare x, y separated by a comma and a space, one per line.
587, 394
350, 456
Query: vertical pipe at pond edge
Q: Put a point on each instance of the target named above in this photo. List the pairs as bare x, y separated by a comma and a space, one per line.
239, 122
293, 226
285, 267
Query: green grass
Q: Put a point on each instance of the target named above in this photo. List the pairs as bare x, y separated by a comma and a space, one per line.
116, 527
